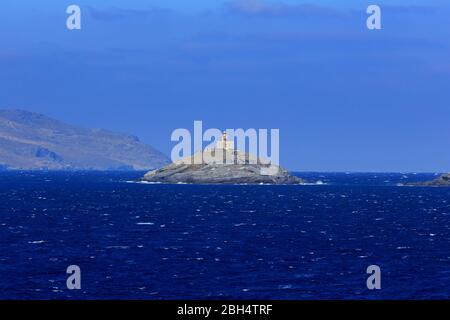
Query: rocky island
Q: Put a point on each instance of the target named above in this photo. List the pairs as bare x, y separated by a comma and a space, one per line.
234, 167
441, 181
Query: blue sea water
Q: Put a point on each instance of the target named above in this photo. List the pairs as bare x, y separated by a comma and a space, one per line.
142, 241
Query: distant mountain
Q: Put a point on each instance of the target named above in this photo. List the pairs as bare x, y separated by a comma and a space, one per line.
30, 141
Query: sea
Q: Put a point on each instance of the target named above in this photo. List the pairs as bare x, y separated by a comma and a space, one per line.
133, 240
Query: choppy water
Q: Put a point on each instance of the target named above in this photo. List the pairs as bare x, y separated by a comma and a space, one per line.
136, 241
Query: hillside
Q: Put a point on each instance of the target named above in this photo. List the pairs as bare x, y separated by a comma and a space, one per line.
32, 141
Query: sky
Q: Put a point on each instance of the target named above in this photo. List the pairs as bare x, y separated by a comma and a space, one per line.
345, 98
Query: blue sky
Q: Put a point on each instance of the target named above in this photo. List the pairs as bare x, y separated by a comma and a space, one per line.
344, 98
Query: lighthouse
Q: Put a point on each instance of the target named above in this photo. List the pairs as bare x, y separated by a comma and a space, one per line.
224, 143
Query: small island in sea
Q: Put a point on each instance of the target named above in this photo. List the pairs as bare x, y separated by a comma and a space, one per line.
221, 165
441, 181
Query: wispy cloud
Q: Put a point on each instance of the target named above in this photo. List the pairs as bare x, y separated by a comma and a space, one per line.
410, 9
349, 43
115, 13
280, 9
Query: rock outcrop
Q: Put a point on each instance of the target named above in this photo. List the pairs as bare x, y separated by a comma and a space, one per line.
198, 169
442, 181
31, 141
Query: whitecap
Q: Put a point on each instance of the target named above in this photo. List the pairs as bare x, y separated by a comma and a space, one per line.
285, 286
144, 182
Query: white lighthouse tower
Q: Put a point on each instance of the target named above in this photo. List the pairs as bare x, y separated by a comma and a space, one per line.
225, 144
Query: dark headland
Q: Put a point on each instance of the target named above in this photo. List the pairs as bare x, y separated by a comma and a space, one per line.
441, 181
